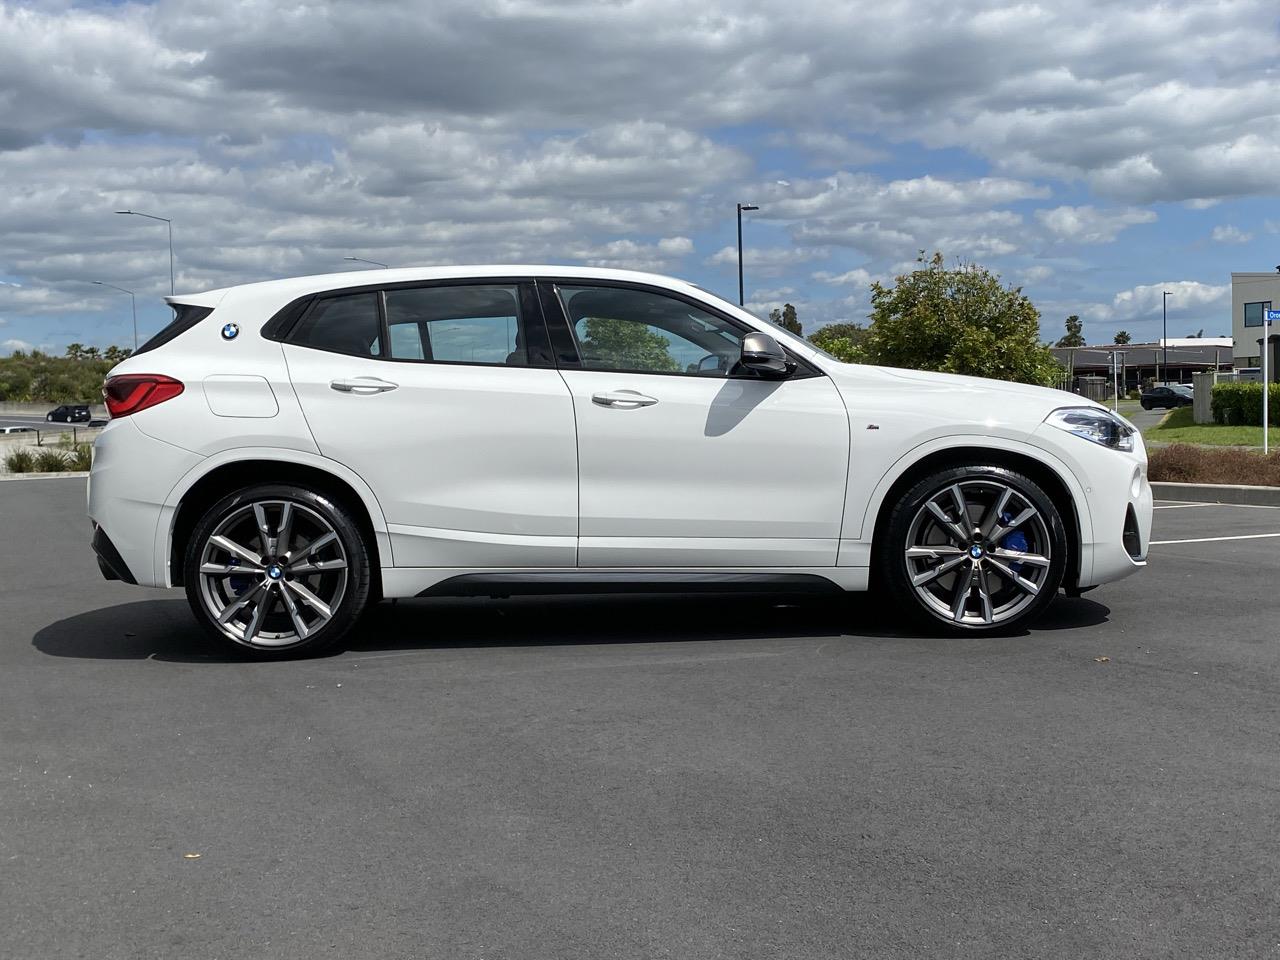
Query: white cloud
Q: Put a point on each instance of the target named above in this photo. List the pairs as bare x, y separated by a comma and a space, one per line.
1088, 224
13, 346
858, 277
1187, 297
765, 261
1228, 233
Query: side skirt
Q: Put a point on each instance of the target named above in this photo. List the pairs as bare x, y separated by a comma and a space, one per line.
500, 584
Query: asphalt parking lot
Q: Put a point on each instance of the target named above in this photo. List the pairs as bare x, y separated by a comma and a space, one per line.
674, 778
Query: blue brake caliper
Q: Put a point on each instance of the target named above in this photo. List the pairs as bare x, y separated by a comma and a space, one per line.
1013, 540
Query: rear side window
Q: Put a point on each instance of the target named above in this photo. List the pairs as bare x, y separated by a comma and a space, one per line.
469, 323
347, 324
185, 316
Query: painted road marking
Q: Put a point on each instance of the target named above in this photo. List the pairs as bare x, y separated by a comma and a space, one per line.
1246, 536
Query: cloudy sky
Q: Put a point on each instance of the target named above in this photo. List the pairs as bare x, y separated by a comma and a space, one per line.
1096, 153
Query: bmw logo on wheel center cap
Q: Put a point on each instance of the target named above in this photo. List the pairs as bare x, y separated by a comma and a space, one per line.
230, 331
976, 552
274, 572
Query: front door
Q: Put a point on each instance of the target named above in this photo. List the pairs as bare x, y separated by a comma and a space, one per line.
683, 460
444, 398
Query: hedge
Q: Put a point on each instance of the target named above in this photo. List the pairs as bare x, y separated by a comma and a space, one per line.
1240, 404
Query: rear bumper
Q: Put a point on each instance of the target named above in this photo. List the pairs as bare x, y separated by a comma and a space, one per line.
110, 562
131, 478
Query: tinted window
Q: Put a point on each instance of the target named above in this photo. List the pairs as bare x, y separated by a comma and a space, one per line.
621, 329
1255, 313
185, 316
346, 324
471, 323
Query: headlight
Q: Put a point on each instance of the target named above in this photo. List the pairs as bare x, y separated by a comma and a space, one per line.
1100, 426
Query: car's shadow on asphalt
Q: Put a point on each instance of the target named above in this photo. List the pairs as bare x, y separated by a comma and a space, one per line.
163, 629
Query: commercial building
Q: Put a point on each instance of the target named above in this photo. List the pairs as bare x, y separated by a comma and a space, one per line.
1092, 369
1252, 294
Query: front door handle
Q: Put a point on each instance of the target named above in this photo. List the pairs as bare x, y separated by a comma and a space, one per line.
623, 399
362, 385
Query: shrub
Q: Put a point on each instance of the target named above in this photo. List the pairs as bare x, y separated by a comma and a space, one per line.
77, 456
19, 461
49, 460
80, 456
1185, 463
1240, 404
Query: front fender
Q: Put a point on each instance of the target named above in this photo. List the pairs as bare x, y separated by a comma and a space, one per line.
855, 544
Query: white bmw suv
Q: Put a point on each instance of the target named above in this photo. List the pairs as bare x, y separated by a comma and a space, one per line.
291, 452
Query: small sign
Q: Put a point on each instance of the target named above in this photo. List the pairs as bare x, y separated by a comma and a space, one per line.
1273, 316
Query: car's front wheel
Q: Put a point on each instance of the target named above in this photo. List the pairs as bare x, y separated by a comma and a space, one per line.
277, 570
974, 549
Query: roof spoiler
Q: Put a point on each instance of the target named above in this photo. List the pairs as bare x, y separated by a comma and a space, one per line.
210, 299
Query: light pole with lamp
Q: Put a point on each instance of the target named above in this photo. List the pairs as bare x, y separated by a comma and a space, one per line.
169, 224
1164, 340
134, 301
741, 207
376, 263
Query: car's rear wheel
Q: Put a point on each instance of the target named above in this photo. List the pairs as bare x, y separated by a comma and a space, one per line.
975, 549
277, 570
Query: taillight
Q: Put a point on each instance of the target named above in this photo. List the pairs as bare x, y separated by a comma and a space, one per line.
130, 392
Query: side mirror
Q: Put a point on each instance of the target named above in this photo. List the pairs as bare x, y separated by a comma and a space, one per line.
763, 354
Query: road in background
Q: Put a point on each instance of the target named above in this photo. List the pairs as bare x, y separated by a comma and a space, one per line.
675, 778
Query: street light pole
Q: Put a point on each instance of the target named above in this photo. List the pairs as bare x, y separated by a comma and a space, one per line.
376, 263
1164, 341
167, 222
741, 207
134, 301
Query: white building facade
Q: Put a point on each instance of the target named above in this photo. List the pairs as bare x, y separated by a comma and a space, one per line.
1252, 294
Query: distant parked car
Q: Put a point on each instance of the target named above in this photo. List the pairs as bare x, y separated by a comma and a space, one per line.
69, 413
17, 429
1176, 395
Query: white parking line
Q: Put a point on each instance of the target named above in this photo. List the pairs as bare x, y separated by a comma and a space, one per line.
1243, 506
1246, 536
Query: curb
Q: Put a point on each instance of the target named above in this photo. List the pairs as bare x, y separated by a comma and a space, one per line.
65, 475
1217, 493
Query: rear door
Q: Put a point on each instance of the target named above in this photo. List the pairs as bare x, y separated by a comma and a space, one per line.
445, 399
684, 461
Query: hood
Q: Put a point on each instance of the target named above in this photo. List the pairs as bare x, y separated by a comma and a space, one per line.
966, 398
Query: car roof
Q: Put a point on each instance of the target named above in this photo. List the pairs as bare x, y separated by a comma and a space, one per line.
290, 288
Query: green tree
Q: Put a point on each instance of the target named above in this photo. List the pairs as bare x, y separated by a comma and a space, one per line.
1074, 337
961, 320
624, 345
786, 319
1122, 337
844, 341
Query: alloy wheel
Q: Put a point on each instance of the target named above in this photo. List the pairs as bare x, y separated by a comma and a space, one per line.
978, 552
272, 573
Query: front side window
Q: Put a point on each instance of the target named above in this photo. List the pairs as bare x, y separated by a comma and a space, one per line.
1255, 313
346, 324
642, 332
470, 323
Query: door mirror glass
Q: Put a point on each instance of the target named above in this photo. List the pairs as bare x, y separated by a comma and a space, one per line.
764, 355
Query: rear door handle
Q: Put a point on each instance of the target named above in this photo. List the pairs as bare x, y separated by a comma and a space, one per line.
624, 399
362, 385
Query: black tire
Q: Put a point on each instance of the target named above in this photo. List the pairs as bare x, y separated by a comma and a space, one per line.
317, 509
909, 514
1145, 405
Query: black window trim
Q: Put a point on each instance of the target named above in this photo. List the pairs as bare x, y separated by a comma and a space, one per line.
186, 316
558, 322
1262, 317
539, 354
